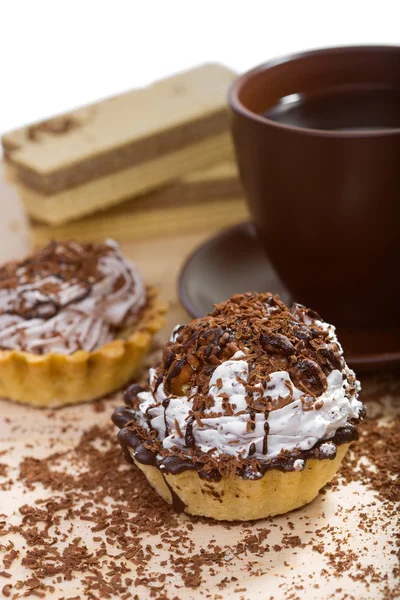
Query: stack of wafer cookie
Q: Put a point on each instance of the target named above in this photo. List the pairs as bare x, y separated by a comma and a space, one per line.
208, 199
167, 145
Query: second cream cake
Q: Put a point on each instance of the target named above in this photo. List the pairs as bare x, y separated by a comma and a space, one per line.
249, 414
76, 321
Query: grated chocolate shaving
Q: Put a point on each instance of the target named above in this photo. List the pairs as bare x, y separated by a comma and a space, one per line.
273, 337
135, 546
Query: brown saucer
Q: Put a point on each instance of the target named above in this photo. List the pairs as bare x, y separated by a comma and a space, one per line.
233, 262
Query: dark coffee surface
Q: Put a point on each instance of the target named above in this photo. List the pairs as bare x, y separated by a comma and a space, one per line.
340, 110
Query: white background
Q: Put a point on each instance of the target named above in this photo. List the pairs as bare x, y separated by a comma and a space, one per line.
59, 54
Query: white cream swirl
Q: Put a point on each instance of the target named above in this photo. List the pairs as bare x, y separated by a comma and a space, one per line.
298, 425
87, 316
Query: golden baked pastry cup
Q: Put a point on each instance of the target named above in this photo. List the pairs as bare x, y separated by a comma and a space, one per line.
54, 380
236, 499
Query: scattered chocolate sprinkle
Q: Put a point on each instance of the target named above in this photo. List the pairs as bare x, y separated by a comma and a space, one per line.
136, 546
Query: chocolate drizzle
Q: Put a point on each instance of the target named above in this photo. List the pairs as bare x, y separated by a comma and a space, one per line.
129, 438
165, 404
130, 441
252, 449
131, 393
266, 430
189, 437
252, 421
177, 504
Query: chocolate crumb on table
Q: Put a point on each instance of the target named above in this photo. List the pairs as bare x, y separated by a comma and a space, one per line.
79, 523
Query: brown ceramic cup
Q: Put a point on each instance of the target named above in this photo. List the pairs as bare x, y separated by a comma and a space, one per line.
326, 203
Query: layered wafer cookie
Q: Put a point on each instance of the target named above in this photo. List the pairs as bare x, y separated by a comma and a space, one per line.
208, 199
96, 156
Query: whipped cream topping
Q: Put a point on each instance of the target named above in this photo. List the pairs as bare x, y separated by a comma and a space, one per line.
57, 312
229, 425
294, 426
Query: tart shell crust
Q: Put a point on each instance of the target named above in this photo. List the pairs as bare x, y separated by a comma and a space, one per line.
237, 499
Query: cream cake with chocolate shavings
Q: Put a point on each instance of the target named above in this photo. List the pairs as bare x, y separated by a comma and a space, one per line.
249, 413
